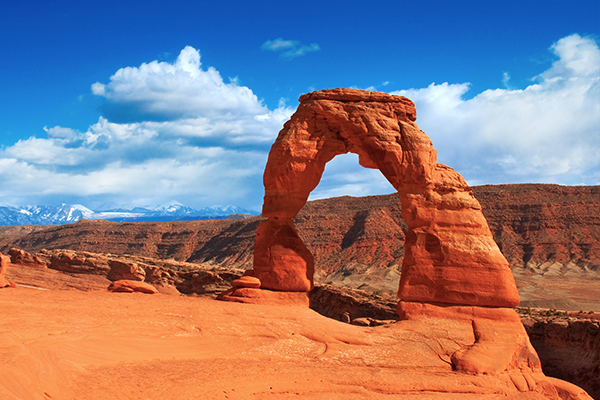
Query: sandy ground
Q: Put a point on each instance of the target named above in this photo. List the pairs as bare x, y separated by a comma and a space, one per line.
69, 344
572, 293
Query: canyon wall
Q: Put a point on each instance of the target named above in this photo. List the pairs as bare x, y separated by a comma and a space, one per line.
543, 230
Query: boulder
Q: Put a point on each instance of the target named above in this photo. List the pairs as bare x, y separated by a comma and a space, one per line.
123, 270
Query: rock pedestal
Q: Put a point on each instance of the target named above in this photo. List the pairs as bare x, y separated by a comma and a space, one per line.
3, 281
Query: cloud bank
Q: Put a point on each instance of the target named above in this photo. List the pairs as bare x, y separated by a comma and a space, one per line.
176, 131
167, 131
546, 132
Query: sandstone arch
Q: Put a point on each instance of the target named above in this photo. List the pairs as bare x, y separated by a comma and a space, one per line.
450, 254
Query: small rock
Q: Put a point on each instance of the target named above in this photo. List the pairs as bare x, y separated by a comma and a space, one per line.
361, 322
246, 282
130, 286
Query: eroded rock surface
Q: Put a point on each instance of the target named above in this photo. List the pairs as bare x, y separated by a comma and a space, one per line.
99, 345
450, 256
68, 269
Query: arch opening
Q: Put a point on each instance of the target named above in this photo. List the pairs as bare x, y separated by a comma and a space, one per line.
344, 176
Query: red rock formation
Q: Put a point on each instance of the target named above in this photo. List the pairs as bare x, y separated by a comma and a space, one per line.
450, 256
3, 281
67, 269
18, 256
453, 273
77, 262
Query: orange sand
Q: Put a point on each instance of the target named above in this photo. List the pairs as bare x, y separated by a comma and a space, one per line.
99, 345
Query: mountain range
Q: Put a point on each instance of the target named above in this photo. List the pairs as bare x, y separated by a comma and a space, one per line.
69, 213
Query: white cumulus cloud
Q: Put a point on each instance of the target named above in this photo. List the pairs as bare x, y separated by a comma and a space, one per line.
168, 131
546, 132
161, 91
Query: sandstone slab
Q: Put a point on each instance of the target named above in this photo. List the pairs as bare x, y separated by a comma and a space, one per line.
263, 296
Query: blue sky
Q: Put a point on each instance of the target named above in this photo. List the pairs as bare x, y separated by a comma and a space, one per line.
140, 103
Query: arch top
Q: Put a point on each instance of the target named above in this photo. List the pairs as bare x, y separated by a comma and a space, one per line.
357, 95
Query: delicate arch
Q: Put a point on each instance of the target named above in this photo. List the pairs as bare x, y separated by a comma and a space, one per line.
450, 254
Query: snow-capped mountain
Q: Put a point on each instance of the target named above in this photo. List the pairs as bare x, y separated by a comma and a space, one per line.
225, 210
43, 215
66, 214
